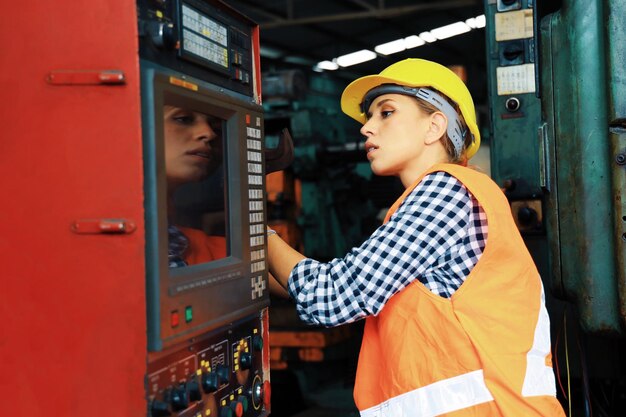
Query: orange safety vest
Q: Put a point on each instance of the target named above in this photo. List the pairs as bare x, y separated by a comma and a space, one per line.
202, 248
484, 352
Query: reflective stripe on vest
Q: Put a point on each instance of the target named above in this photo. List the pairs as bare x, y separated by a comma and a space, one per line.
437, 398
539, 379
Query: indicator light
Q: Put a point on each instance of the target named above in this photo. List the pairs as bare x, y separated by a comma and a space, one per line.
174, 319
188, 314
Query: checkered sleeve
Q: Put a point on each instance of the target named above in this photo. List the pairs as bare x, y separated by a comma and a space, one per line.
436, 235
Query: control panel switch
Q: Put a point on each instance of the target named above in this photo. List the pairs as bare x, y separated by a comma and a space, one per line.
209, 382
245, 360
178, 398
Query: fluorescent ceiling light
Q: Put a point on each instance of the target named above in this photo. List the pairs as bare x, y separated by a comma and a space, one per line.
480, 21
413, 41
451, 30
427, 37
327, 65
409, 42
476, 22
391, 47
356, 58
471, 22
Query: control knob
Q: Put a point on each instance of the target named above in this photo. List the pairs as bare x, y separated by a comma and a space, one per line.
209, 382
162, 34
260, 392
245, 360
178, 398
223, 376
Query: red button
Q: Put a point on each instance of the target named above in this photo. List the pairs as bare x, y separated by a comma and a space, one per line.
247, 119
239, 410
175, 319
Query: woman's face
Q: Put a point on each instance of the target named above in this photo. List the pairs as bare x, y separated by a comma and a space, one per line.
193, 145
395, 132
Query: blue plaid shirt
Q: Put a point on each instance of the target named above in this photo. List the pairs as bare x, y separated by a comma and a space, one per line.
436, 236
177, 244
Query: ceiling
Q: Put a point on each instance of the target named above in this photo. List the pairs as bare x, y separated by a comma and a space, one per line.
301, 33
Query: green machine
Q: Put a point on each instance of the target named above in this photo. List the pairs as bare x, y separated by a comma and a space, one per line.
558, 123
557, 95
585, 136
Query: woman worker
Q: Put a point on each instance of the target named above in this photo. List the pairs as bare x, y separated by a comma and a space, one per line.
456, 323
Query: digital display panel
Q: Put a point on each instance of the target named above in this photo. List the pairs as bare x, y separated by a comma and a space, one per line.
204, 37
205, 215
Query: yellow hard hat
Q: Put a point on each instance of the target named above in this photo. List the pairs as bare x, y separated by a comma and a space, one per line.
415, 72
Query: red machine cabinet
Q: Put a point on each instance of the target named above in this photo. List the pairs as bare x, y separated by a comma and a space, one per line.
72, 337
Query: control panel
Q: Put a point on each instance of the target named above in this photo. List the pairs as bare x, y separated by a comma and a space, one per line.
204, 174
219, 374
516, 130
192, 36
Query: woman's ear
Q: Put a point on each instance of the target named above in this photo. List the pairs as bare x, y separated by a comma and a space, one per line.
438, 125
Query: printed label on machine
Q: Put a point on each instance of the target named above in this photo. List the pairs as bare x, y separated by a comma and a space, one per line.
204, 37
517, 79
514, 25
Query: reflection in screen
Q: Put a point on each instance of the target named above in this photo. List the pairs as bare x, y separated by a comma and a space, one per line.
195, 179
